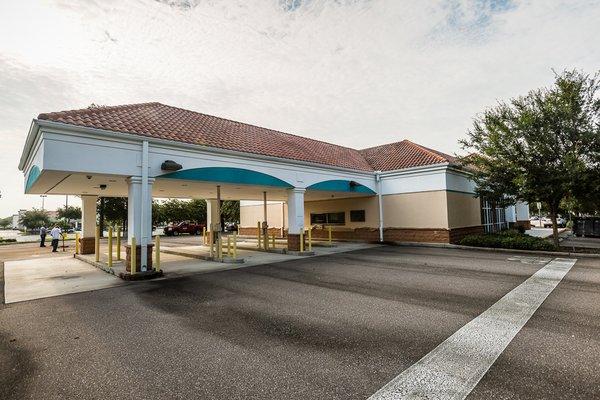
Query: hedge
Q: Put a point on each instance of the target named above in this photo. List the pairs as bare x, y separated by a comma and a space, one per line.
509, 239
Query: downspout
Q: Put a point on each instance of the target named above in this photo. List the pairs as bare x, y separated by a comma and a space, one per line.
380, 202
143, 211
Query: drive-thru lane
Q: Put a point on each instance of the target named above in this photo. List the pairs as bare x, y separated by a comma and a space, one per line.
337, 326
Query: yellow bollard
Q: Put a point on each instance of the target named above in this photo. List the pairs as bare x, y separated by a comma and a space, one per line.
97, 244
119, 243
273, 241
132, 256
234, 245
309, 239
76, 242
157, 249
204, 235
259, 246
302, 241
228, 246
329, 233
110, 249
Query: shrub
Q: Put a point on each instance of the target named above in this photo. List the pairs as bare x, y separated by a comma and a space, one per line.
7, 240
510, 239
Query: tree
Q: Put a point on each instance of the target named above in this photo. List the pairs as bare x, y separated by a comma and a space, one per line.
230, 210
5, 222
112, 210
34, 219
69, 212
544, 146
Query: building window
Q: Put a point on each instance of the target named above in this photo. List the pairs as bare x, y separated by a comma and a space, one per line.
335, 218
357, 216
492, 217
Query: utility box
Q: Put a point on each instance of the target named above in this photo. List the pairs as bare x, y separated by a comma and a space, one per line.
586, 226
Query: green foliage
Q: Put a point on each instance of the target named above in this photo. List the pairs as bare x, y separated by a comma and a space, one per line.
174, 210
230, 209
5, 222
34, 219
544, 146
115, 210
7, 240
70, 212
510, 239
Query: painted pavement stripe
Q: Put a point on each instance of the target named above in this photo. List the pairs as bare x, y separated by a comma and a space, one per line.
453, 369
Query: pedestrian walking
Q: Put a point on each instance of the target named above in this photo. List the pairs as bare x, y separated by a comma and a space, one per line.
43, 236
55, 233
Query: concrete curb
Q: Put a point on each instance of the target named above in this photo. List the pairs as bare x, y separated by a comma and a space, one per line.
497, 250
202, 257
95, 264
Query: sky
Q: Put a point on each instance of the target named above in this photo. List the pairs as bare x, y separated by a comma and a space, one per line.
352, 72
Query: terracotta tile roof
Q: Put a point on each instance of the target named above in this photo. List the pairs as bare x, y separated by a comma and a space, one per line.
404, 154
161, 121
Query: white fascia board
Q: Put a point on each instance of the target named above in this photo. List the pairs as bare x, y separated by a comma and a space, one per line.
31, 138
194, 148
415, 170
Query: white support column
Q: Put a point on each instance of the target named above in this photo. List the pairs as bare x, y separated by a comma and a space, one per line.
295, 217
88, 223
139, 215
212, 212
379, 204
296, 210
88, 215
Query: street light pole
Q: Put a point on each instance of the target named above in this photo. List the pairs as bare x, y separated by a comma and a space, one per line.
43, 196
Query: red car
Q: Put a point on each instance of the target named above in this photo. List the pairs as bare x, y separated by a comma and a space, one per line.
183, 227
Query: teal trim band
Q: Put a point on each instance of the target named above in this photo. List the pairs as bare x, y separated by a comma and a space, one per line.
227, 175
341, 186
34, 174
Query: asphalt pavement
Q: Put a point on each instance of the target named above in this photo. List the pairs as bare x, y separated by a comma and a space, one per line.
339, 326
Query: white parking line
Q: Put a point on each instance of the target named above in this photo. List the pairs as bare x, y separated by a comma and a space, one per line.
453, 369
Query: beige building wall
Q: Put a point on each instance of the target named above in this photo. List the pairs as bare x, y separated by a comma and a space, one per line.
415, 210
369, 204
420, 210
251, 215
463, 210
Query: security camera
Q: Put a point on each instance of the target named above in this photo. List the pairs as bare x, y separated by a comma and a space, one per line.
88, 176
102, 187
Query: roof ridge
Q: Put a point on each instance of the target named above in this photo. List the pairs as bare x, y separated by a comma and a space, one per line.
427, 150
97, 107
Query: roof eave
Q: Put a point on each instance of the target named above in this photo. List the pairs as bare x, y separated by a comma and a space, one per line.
176, 143
31, 137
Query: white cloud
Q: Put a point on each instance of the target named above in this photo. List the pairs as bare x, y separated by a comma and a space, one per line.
353, 72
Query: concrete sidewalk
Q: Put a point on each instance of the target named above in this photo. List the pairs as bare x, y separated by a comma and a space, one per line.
55, 276
60, 274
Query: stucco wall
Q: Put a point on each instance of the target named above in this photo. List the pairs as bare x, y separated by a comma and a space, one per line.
407, 210
251, 214
415, 210
369, 204
463, 210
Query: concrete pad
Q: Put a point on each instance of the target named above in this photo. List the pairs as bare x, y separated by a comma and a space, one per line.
55, 276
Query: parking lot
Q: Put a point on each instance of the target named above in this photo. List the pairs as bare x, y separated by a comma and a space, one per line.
338, 326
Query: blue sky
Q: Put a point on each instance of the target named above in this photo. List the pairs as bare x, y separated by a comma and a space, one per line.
353, 72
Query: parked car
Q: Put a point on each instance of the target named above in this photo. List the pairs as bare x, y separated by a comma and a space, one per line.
231, 227
183, 227
560, 222
546, 222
